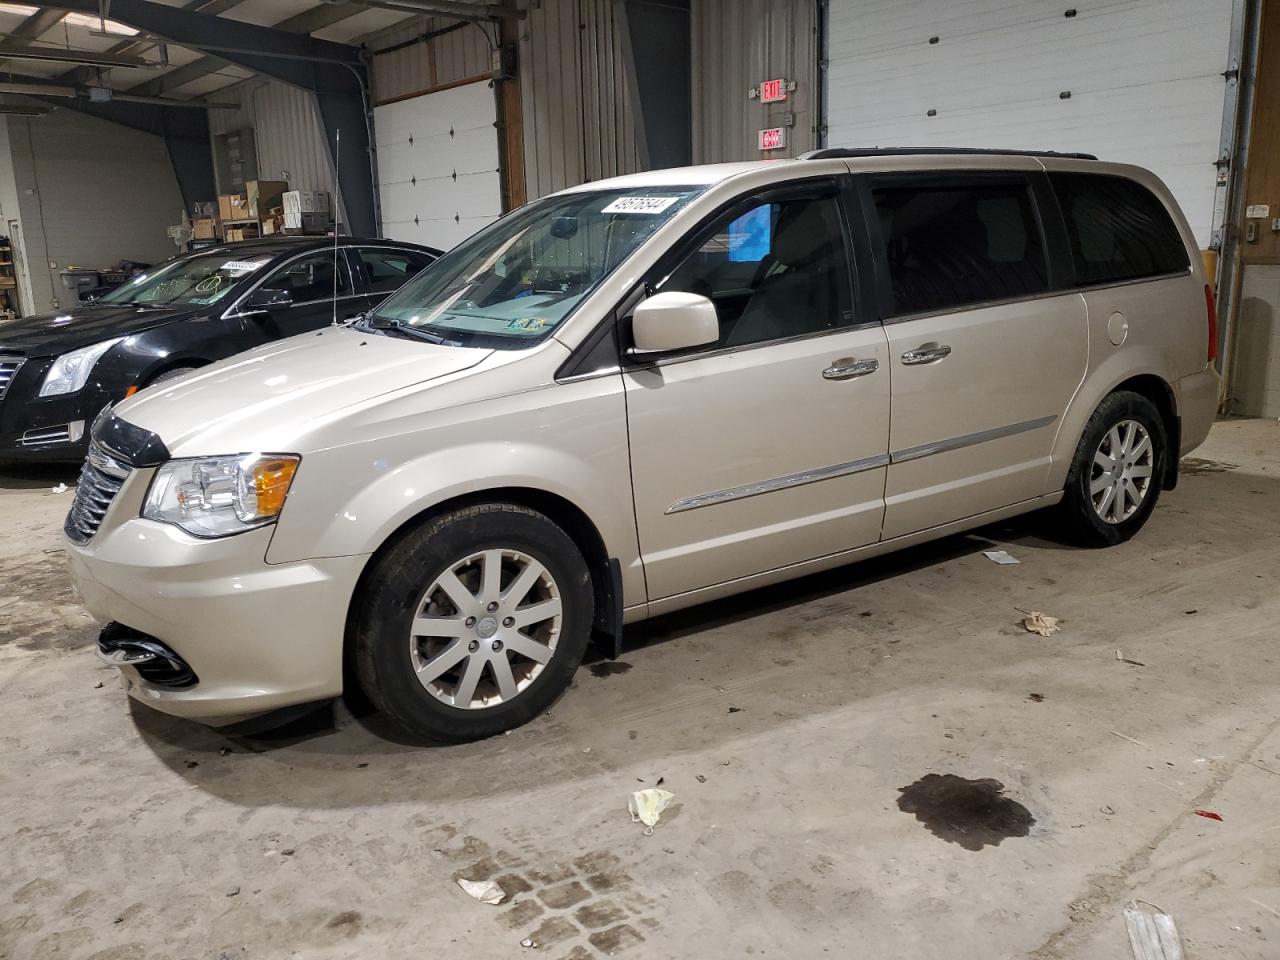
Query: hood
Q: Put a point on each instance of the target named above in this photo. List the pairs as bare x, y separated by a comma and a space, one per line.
267, 399
50, 334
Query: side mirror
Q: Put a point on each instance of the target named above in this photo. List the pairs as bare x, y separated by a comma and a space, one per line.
673, 321
265, 299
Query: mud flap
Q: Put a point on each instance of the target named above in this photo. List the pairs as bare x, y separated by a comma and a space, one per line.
608, 626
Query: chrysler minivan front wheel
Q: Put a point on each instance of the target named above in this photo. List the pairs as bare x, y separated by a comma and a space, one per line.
472, 623
1115, 478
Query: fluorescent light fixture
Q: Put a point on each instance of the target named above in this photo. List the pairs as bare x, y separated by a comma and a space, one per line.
74, 19
13, 110
51, 54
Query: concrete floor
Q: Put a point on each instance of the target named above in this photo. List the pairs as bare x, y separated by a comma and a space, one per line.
786, 722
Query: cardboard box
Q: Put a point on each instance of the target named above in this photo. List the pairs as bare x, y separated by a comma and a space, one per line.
262, 195
233, 206
204, 228
306, 210
245, 232
272, 225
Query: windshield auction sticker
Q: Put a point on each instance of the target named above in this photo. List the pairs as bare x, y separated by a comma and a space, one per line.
241, 267
647, 205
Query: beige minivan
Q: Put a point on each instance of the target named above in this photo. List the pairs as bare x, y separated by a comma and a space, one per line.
637, 395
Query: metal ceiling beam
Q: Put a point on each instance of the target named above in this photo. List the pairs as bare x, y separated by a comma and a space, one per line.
39, 23
478, 12
30, 87
144, 43
316, 18
52, 54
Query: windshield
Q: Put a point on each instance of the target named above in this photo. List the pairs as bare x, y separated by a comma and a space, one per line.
518, 279
195, 280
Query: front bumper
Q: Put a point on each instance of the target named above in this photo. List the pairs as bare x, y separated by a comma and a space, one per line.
258, 636
46, 429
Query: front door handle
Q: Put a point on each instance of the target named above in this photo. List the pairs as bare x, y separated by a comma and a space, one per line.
846, 368
926, 353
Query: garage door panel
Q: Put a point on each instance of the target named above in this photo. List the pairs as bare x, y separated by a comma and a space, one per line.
438, 165
1144, 76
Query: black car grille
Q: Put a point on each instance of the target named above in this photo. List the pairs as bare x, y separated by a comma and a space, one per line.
100, 481
8, 369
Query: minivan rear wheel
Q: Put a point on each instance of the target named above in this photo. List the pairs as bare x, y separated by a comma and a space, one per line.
472, 623
1115, 478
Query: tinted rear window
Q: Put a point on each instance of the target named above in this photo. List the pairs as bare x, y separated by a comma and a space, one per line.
1117, 228
951, 245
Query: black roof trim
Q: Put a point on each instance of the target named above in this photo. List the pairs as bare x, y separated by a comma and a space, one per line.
847, 153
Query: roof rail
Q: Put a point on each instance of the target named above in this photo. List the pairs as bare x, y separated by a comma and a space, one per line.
846, 153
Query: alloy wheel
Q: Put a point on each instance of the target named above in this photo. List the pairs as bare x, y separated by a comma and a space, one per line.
485, 629
1121, 474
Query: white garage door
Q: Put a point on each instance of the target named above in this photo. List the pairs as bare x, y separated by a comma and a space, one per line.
1144, 79
438, 165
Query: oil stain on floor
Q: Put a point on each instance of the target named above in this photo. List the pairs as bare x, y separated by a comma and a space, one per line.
609, 668
972, 813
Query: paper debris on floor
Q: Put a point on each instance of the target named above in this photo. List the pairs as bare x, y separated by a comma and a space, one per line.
60, 488
486, 891
646, 806
1001, 557
1152, 933
1041, 623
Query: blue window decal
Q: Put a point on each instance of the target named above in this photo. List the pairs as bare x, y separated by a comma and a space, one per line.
749, 235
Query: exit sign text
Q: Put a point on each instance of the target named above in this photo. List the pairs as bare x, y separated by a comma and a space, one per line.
771, 91
774, 138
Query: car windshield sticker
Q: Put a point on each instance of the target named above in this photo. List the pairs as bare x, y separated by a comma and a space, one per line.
647, 205
239, 268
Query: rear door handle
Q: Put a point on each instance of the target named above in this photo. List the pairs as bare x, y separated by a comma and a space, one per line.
926, 353
847, 368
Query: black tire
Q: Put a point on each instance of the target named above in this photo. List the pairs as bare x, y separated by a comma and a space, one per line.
388, 600
1079, 517
170, 374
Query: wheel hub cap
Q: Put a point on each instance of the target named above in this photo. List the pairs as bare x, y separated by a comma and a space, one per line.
485, 629
1121, 473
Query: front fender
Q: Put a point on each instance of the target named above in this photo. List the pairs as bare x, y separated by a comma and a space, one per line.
568, 440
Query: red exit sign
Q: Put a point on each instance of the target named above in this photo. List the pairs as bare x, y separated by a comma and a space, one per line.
771, 91
775, 138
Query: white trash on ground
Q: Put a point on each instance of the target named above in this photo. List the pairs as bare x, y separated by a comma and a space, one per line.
1001, 557
60, 488
1041, 623
486, 891
646, 807
1152, 933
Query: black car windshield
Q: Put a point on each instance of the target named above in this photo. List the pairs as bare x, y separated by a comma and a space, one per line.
516, 280
190, 281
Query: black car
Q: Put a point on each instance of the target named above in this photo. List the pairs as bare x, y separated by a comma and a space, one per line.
59, 370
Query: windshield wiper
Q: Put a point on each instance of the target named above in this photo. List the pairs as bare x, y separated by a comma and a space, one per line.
401, 327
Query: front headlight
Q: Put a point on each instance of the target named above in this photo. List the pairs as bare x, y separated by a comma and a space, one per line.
219, 496
70, 372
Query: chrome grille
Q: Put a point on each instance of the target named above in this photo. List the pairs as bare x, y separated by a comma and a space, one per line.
8, 368
46, 435
100, 481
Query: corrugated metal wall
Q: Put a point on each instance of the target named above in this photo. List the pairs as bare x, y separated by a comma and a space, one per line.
455, 56
578, 121
736, 45
287, 129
